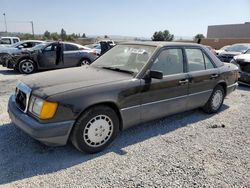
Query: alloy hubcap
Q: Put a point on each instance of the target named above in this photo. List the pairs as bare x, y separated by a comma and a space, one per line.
217, 99
27, 67
98, 131
85, 62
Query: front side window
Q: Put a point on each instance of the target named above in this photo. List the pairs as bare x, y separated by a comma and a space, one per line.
51, 47
130, 58
169, 61
15, 40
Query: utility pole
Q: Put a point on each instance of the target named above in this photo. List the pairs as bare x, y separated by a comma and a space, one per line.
32, 26
5, 23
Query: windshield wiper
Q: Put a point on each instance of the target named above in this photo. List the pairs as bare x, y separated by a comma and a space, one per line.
118, 69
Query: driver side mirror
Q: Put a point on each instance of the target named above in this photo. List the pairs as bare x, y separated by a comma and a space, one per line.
153, 74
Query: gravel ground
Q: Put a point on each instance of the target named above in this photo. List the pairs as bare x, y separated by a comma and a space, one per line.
191, 149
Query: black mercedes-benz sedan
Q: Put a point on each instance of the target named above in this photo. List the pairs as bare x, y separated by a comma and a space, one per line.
130, 84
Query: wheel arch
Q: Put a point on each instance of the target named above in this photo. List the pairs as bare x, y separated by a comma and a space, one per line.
84, 58
24, 58
110, 104
224, 86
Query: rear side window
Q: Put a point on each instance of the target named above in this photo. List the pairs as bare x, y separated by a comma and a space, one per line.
208, 63
169, 61
70, 47
197, 60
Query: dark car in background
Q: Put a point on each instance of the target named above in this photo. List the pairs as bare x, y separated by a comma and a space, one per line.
7, 51
129, 84
52, 55
232, 51
243, 62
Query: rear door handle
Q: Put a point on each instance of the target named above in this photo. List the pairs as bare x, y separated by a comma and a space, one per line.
184, 81
214, 76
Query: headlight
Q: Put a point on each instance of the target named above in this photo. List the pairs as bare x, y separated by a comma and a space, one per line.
42, 108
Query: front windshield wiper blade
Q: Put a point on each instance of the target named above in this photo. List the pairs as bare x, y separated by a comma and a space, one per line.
118, 69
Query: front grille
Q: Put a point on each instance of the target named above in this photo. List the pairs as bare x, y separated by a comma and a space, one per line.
244, 66
22, 96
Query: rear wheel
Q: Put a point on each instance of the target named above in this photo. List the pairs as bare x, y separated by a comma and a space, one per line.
95, 129
85, 62
215, 101
27, 66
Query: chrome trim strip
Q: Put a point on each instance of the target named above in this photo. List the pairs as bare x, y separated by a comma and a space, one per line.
165, 100
200, 92
233, 85
24, 88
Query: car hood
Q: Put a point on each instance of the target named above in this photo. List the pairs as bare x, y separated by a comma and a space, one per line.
53, 82
243, 57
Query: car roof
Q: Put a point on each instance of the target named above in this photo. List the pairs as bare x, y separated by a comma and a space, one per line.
32, 41
161, 44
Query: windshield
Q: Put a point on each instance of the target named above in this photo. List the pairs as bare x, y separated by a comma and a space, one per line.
248, 51
238, 48
224, 47
129, 58
38, 47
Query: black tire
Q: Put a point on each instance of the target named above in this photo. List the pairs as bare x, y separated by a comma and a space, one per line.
85, 125
84, 61
27, 66
218, 94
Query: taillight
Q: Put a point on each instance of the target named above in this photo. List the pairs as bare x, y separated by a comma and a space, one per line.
94, 52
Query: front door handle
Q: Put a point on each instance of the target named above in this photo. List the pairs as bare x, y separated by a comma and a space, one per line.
214, 76
184, 81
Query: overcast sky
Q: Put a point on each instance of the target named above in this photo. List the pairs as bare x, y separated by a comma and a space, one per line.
139, 18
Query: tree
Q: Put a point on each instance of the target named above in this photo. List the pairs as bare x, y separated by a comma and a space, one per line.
63, 34
162, 36
106, 36
199, 36
83, 35
47, 35
55, 36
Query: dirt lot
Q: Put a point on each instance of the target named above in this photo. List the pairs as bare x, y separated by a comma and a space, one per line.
191, 149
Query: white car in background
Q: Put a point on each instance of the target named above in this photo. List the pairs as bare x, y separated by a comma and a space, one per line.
223, 49
8, 41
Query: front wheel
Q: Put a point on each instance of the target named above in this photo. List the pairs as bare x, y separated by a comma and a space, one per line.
215, 101
27, 66
95, 129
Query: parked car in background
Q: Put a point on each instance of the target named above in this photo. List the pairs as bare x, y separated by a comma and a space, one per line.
96, 47
52, 55
223, 49
243, 62
91, 104
8, 41
232, 51
6, 52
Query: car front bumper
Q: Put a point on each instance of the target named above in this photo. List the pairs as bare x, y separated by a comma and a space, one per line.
244, 77
52, 134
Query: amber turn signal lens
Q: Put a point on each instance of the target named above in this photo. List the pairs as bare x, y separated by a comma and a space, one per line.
48, 110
